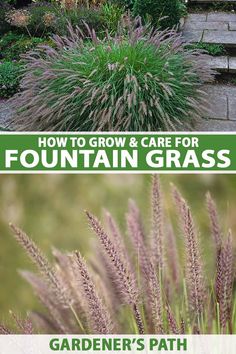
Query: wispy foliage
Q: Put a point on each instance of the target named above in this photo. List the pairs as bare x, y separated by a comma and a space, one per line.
124, 288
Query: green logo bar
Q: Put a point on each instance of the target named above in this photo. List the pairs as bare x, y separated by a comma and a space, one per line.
85, 152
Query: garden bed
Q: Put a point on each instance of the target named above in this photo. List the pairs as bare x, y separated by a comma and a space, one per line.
124, 63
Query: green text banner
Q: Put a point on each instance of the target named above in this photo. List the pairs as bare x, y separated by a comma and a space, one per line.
117, 152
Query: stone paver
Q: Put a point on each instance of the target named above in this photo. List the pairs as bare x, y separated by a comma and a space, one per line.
221, 16
232, 26
222, 105
197, 17
232, 108
219, 63
223, 64
227, 38
211, 27
209, 125
232, 65
217, 106
5, 114
221, 102
205, 25
192, 36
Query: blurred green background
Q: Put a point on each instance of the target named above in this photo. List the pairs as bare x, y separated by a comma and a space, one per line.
50, 208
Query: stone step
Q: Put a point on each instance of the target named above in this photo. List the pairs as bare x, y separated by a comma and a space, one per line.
223, 64
220, 112
221, 101
212, 28
214, 125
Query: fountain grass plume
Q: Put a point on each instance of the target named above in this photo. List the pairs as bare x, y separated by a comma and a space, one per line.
122, 276
214, 219
225, 286
157, 223
194, 272
123, 289
43, 265
99, 318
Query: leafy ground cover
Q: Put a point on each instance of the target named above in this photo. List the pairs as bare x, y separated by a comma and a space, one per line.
9, 78
212, 49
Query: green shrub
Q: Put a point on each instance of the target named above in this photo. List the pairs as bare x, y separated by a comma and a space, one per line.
112, 14
161, 13
4, 26
93, 17
144, 81
8, 2
13, 45
127, 4
38, 11
9, 79
46, 19
38, 22
59, 24
182, 5
10, 38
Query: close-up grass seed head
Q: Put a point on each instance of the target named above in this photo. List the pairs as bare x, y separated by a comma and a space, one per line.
139, 281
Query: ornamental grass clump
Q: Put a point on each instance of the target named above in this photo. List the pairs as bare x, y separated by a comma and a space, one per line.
140, 283
137, 80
